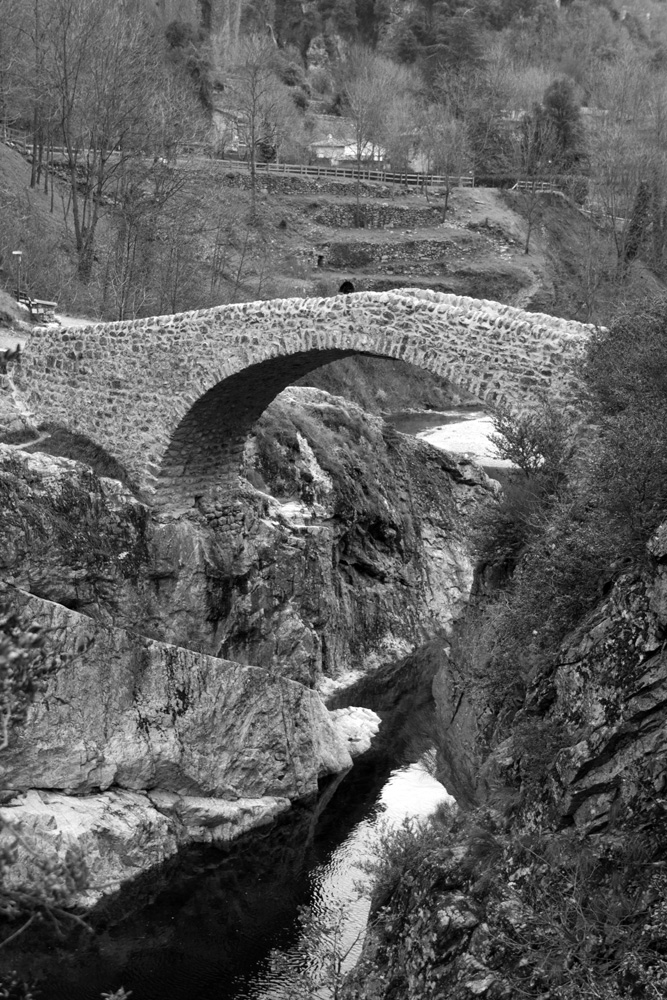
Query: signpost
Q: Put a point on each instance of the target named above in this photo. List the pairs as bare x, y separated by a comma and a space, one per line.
17, 255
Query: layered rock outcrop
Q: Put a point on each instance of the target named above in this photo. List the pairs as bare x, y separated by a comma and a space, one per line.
597, 721
553, 883
152, 746
125, 711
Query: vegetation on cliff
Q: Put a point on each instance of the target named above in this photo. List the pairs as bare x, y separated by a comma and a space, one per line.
585, 503
466, 905
553, 884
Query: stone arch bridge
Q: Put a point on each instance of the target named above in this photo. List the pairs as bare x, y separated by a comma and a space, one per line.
173, 398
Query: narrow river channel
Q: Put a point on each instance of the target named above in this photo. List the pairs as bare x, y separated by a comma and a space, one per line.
228, 924
206, 926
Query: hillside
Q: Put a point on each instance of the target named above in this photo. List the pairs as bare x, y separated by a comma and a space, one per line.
302, 242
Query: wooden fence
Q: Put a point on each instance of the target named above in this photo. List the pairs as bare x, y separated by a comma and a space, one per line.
417, 180
542, 187
23, 142
13, 137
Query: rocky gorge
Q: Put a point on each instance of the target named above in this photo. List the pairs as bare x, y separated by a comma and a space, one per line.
196, 663
184, 705
208, 664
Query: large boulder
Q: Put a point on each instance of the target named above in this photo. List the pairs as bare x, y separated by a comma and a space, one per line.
121, 834
125, 711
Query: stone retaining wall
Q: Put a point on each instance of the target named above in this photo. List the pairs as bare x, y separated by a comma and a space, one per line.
378, 215
296, 184
430, 257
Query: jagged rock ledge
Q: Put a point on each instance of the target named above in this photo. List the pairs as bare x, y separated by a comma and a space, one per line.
137, 747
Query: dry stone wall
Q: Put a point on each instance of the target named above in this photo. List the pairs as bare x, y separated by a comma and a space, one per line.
276, 183
377, 215
173, 397
430, 257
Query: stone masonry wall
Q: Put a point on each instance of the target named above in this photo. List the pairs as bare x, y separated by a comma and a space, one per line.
378, 215
173, 397
431, 257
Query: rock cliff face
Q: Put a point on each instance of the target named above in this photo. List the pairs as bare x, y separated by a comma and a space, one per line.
558, 867
156, 746
184, 706
353, 540
596, 722
126, 711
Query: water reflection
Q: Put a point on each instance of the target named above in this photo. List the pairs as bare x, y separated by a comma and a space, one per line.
202, 928
331, 935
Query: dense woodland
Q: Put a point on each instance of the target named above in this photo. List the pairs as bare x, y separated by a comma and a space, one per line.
502, 89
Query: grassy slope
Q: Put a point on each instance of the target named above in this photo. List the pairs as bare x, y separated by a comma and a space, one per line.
580, 264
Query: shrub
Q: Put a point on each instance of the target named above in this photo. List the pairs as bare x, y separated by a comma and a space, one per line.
539, 442
627, 364
180, 34
555, 914
631, 476
626, 377
572, 518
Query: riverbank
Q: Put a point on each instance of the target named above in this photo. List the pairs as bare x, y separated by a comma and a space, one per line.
228, 923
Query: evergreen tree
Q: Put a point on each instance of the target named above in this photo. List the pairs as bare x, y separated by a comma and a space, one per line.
562, 113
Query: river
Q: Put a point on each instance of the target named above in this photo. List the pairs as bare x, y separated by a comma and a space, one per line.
227, 925
464, 432
230, 924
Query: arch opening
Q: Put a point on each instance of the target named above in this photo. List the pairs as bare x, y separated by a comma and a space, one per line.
207, 446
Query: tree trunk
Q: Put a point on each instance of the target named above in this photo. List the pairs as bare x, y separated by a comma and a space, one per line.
446, 205
33, 170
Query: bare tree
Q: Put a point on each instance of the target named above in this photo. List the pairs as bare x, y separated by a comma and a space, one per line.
9, 60
371, 83
444, 141
537, 159
111, 85
629, 164
264, 110
27, 91
400, 129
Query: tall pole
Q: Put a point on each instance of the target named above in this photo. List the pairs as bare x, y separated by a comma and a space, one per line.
17, 255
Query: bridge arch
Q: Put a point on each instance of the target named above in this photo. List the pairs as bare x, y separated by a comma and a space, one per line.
173, 397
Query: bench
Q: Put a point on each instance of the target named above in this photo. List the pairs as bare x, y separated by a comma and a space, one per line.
40, 309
